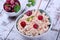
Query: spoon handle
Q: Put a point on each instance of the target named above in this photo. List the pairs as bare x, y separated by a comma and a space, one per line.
38, 6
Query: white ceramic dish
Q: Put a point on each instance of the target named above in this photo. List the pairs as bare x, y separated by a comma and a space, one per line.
31, 36
11, 14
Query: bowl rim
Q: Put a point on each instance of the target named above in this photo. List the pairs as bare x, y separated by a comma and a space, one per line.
27, 35
12, 13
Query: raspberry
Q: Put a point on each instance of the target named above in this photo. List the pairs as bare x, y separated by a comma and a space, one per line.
7, 8
40, 17
35, 26
12, 6
17, 3
15, 0
12, 10
12, 1
23, 24
29, 13
8, 0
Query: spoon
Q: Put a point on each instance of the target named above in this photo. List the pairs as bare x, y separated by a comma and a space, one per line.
38, 7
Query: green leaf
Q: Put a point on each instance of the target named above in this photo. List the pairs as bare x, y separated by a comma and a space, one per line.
28, 19
33, 3
32, 16
29, 0
33, 0
28, 5
17, 8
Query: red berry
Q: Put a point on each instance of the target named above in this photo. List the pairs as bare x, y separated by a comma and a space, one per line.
13, 5
12, 10
23, 24
40, 17
17, 3
8, 0
7, 8
15, 0
12, 1
29, 13
35, 26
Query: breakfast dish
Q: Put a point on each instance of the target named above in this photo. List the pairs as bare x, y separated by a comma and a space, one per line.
33, 23
11, 6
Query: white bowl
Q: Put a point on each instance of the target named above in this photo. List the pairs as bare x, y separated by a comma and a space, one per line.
13, 13
30, 36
